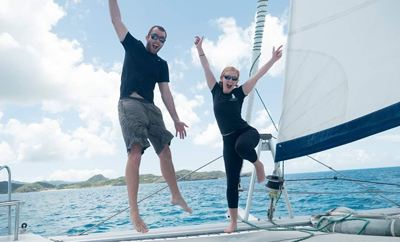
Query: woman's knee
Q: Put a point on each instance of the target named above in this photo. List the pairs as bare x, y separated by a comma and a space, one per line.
243, 148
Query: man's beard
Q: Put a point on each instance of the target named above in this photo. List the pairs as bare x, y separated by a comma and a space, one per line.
150, 48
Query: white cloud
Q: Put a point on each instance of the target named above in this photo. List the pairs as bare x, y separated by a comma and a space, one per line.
176, 70
261, 122
7, 155
232, 47
210, 137
117, 67
184, 106
46, 142
200, 86
7, 41
48, 70
182, 65
175, 75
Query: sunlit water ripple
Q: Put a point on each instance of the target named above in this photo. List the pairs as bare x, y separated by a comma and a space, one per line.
69, 212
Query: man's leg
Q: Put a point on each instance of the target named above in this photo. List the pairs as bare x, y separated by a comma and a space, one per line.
168, 172
132, 182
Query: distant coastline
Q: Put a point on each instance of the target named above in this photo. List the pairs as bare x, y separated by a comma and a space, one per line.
101, 181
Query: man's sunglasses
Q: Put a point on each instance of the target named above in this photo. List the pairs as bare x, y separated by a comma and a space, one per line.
228, 77
156, 37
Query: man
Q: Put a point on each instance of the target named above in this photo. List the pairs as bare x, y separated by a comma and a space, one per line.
140, 119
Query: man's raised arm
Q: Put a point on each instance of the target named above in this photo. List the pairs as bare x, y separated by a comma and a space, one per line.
115, 14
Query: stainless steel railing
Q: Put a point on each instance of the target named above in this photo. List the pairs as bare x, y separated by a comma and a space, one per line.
11, 203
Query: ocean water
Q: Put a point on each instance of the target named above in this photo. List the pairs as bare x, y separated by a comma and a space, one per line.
69, 212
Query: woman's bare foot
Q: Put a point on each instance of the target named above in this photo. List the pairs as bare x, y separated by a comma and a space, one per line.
232, 227
138, 223
260, 171
181, 202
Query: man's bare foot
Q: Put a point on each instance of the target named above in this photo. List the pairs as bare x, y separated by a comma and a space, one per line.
181, 202
260, 171
138, 223
232, 227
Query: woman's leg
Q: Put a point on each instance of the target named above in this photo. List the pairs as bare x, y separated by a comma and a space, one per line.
245, 145
233, 165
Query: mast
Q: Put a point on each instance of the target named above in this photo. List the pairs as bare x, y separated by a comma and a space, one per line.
258, 35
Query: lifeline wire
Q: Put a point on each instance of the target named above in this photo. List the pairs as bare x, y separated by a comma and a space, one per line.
148, 196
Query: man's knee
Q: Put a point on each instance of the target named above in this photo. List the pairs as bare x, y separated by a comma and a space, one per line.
135, 154
165, 153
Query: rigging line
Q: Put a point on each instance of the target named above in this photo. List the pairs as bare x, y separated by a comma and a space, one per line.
382, 183
148, 196
270, 117
358, 183
342, 192
344, 179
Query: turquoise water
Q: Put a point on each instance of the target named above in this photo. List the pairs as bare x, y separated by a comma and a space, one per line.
69, 212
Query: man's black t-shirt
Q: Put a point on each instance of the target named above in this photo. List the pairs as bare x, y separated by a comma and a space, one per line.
141, 70
228, 109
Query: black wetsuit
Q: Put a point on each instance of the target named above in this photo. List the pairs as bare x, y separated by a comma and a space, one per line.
239, 138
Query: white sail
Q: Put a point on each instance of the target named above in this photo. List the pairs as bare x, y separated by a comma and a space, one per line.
342, 75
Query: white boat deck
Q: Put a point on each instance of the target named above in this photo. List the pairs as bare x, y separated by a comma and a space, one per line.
245, 232
214, 233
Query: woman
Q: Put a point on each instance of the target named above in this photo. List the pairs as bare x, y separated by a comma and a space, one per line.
239, 138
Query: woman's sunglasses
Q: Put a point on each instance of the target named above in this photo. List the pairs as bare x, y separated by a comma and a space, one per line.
156, 37
228, 77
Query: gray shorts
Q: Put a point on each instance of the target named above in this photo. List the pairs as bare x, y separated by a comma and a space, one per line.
142, 121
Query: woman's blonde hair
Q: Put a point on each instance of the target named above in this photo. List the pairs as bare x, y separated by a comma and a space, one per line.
226, 69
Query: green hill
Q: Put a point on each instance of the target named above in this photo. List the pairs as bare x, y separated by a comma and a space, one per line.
97, 178
101, 181
206, 175
34, 187
4, 186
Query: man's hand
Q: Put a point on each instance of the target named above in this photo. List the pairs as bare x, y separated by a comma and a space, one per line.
198, 42
180, 128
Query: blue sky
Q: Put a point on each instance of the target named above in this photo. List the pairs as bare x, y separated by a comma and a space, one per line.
60, 76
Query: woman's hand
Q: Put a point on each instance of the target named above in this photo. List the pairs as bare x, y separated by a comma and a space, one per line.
276, 54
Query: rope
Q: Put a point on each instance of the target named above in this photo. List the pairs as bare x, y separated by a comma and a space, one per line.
343, 179
283, 228
317, 226
342, 192
148, 196
345, 218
